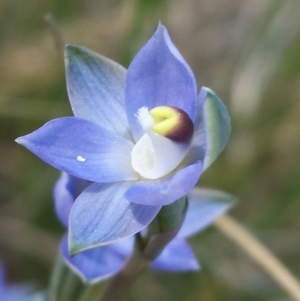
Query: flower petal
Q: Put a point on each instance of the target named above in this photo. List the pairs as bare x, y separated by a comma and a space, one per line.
102, 215
93, 265
82, 149
212, 128
2, 277
177, 256
63, 198
166, 190
154, 156
124, 247
14, 292
66, 190
205, 205
96, 88
158, 75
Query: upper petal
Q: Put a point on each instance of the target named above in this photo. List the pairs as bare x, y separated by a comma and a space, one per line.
82, 149
101, 215
158, 75
177, 256
211, 129
166, 190
93, 265
96, 88
205, 205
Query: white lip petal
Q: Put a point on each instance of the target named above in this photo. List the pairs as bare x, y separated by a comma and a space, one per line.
143, 155
154, 156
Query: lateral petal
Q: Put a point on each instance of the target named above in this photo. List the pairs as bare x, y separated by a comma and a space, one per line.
166, 190
82, 149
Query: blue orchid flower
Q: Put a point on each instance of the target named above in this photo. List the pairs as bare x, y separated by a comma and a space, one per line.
143, 136
12, 292
100, 263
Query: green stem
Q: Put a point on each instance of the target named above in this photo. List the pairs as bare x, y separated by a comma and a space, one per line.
72, 288
56, 281
65, 285
121, 283
92, 292
160, 232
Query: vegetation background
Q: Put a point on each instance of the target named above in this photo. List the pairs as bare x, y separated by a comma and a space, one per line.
245, 50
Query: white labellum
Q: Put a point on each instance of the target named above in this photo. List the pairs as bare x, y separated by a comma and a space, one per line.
154, 155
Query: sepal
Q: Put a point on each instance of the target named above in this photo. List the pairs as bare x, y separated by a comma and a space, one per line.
96, 88
102, 215
177, 256
93, 265
217, 126
205, 206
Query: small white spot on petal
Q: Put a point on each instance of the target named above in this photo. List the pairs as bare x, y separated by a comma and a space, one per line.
81, 159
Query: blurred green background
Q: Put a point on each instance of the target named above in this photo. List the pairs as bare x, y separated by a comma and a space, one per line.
247, 51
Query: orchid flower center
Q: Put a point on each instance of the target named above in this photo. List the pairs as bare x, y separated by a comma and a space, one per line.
168, 133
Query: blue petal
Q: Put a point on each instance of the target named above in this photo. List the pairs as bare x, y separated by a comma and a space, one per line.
93, 265
63, 198
166, 190
205, 205
125, 246
158, 75
66, 190
82, 149
16, 293
96, 88
102, 215
177, 256
212, 128
2, 277
12, 292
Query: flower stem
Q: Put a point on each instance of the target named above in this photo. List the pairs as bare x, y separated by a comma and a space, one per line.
120, 284
92, 292
72, 287
58, 273
64, 284
260, 254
